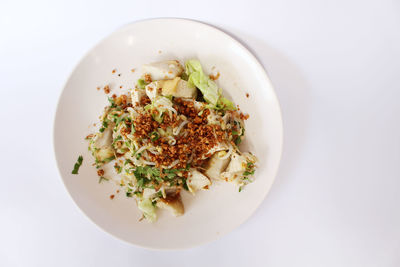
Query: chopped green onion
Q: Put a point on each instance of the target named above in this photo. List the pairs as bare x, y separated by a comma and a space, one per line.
154, 136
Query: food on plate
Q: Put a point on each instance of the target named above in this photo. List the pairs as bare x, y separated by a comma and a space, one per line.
174, 131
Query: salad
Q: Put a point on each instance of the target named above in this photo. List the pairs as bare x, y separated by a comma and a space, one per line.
174, 131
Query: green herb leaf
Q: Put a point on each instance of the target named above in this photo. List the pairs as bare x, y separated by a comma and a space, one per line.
238, 140
102, 178
120, 118
140, 183
154, 136
185, 185
109, 159
117, 168
112, 103
141, 84
77, 165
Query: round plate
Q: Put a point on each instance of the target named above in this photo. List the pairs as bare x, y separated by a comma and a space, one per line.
209, 214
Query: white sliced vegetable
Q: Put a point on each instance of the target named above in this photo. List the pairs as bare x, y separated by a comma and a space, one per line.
137, 94
153, 89
104, 153
163, 70
101, 145
104, 139
149, 193
237, 166
216, 165
174, 205
197, 181
178, 88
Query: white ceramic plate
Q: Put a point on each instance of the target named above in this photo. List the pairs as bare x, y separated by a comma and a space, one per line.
210, 214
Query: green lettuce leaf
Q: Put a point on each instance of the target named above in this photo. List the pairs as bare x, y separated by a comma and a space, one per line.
149, 211
225, 104
209, 89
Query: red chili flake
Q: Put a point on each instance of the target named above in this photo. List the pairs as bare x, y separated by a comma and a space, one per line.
112, 197
114, 71
247, 95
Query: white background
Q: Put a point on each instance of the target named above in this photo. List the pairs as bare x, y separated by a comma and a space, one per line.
335, 66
